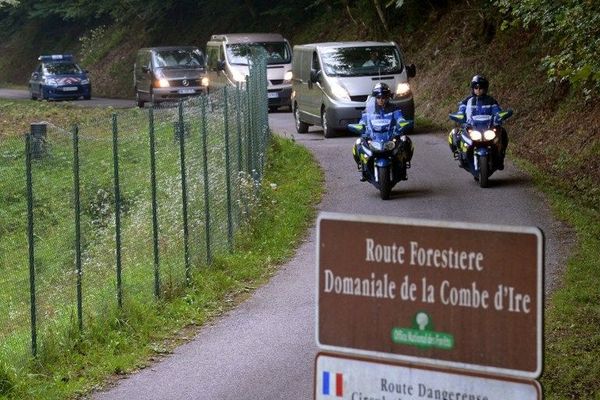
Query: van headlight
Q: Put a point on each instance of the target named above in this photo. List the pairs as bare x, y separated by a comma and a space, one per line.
204, 81
339, 92
161, 83
287, 78
238, 76
402, 89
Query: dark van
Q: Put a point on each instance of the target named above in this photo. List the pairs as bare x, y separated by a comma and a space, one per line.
168, 73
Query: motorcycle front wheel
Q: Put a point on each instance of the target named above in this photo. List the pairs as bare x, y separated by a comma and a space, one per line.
385, 182
483, 171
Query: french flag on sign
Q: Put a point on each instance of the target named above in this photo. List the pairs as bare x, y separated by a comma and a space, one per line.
333, 384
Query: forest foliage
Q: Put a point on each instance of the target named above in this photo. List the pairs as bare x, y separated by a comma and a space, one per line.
571, 26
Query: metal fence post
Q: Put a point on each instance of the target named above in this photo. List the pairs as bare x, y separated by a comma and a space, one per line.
38, 142
204, 134
184, 195
250, 123
154, 201
227, 172
238, 106
30, 237
117, 209
76, 199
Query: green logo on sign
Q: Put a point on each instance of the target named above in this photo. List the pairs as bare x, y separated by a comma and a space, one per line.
422, 334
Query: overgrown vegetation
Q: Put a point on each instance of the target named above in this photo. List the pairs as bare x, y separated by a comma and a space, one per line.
70, 361
574, 27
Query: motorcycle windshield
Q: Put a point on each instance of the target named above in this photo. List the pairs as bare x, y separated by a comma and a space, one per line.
481, 122
381, 127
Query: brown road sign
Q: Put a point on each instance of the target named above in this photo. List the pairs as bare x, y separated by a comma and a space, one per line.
449, 294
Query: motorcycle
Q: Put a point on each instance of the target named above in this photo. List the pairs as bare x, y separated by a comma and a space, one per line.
479, 144
383, 152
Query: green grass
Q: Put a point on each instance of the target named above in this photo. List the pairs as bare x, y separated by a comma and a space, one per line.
572, 337
115, 340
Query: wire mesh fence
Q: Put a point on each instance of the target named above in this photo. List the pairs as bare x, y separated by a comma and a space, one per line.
113, 212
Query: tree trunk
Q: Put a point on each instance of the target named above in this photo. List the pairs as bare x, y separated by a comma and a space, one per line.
381, 15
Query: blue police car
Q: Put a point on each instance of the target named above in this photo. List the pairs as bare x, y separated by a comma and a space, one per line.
59, 77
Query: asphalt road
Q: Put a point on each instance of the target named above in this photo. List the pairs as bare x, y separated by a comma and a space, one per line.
265, 348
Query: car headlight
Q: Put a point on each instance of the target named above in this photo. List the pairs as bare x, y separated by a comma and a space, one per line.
51, 82
402, 89
489, 134
339, 92
85, 81
475, 135
288, 76
204, 81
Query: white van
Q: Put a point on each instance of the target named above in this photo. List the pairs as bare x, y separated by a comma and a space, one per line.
331, 82
227, 60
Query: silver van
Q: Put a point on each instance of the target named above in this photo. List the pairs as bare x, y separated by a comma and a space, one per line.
227, 60
168, 73
331, 82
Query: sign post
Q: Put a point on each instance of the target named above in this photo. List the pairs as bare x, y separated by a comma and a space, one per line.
453, 295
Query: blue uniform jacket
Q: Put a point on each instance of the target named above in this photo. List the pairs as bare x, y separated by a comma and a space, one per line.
478, 105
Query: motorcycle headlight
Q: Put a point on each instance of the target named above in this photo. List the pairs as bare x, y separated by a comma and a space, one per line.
402, 89
475, 135
339, 92
489, 134
377, 146
381, 146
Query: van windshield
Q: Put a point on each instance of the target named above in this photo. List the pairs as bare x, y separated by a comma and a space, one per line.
179, 58
277, 52
361, 61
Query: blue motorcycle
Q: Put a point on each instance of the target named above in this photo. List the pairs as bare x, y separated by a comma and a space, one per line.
479, 144
383, 152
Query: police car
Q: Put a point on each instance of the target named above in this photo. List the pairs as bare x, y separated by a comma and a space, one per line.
59, 77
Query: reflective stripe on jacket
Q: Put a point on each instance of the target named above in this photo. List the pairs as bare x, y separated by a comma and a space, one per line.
478, 105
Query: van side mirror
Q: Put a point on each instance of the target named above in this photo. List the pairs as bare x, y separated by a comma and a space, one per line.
315, 75
221, 65
411, 70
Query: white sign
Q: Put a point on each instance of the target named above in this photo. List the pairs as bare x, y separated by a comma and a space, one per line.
342, 377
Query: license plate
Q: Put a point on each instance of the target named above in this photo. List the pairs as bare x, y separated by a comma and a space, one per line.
69, 89
186, 91
272, 95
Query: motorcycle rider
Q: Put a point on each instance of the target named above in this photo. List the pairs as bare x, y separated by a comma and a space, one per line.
382, 105
478, 103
